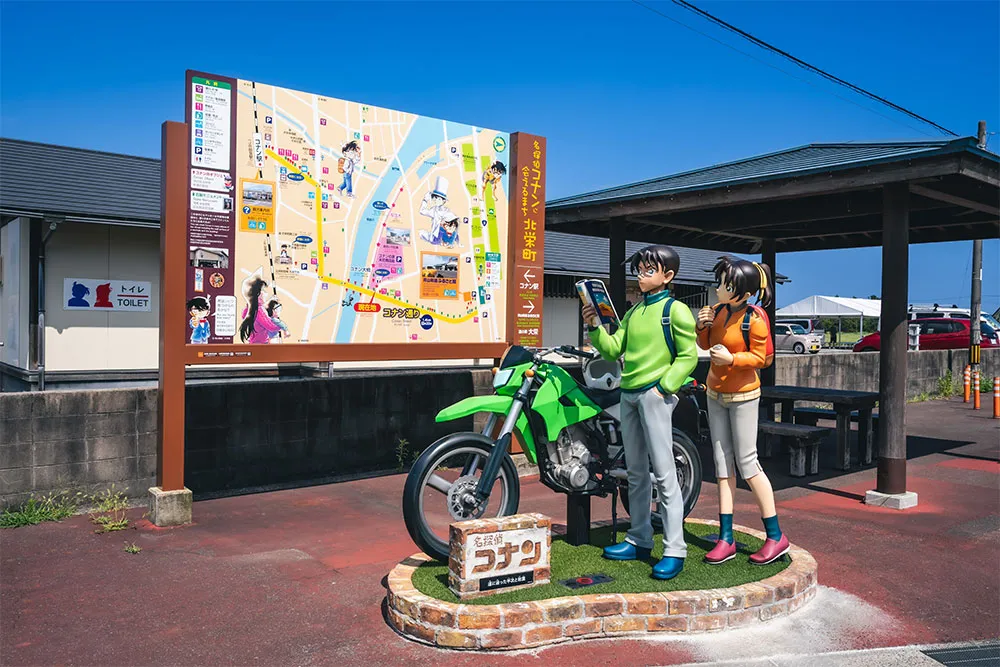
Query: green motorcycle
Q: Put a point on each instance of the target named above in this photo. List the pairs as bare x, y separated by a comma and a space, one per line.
571, 431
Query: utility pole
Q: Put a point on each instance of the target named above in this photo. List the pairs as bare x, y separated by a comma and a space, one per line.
977, 281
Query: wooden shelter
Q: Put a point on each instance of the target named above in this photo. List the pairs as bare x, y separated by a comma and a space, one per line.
815, 197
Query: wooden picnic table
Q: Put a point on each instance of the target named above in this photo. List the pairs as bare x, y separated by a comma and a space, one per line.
844, 403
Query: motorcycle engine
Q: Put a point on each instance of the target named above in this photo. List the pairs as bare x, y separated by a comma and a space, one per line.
570, 457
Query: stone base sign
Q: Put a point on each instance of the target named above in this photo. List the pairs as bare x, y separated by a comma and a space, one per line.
497, 555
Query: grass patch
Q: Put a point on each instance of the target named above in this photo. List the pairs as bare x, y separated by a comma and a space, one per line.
108, 513
53, 507
629, 576
132, 548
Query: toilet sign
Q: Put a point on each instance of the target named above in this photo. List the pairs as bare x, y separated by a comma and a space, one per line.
99, 294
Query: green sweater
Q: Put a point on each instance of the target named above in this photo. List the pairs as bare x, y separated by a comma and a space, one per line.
647, 358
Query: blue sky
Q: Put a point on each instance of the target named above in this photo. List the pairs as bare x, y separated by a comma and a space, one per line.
621, 93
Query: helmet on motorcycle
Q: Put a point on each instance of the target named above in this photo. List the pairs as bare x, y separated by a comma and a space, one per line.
602, 374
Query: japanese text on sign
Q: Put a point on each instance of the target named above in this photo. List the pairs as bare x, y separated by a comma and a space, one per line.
505, 552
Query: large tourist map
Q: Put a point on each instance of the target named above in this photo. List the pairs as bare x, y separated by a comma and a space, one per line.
314, 219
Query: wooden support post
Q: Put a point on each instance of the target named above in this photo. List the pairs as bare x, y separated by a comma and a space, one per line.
891, 477
769, 256
616, 257
173, 256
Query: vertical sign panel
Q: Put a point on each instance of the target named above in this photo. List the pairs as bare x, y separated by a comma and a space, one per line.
527, 239
211, 118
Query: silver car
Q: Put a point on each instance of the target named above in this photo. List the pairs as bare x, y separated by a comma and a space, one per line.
793, 337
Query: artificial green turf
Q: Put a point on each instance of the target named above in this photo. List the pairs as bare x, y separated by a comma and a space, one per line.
569, 562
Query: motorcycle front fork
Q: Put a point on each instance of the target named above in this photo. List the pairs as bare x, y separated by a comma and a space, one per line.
502, 443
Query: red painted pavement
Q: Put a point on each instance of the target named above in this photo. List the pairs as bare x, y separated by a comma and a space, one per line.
296, 577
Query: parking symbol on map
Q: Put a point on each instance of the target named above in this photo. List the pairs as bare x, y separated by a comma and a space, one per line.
267, 119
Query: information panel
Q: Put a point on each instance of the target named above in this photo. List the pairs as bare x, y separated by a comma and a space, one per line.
317, 220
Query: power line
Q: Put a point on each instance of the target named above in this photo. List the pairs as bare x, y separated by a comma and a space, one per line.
797, 61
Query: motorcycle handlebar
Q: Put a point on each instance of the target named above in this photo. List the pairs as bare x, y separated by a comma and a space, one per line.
576, 352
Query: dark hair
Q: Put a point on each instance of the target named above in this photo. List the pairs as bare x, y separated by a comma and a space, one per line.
661, 256
271, 305
246, 328
498, 165
350, 146
746, 277
199, 302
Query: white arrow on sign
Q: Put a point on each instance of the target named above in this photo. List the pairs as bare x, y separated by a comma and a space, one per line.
528, 275
530, 307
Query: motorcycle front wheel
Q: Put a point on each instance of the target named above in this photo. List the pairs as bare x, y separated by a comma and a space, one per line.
687, 460
440, 490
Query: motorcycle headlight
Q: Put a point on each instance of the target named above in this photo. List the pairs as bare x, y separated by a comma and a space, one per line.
502, 377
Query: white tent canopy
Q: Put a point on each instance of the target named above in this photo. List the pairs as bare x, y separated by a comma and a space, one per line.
831, 306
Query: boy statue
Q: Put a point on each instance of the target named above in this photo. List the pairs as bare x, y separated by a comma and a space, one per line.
657, 337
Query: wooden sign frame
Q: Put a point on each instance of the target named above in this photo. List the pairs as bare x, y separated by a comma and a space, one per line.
524, 294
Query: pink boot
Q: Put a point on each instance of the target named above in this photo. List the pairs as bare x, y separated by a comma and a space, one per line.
771, 551
721, 552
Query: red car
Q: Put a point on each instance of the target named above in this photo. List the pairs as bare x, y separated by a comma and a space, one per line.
937, 334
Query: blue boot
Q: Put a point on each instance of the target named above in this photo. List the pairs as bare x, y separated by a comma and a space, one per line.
668, 567
626, 551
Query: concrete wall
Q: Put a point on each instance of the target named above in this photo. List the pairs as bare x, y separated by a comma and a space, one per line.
76, 340
254, 433
14, 285
238, 435
859, 371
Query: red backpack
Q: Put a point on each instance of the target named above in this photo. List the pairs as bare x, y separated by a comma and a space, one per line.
745, 327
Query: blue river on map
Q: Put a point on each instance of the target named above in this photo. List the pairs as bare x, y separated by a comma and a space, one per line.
426, 132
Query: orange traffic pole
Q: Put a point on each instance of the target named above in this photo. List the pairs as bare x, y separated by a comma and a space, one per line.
966, 379
996, 397
975, 390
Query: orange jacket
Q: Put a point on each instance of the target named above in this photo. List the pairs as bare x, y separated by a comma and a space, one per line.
742, 375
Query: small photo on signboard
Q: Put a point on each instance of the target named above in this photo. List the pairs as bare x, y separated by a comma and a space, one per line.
438, 276
256, 206
396, 236
209, 258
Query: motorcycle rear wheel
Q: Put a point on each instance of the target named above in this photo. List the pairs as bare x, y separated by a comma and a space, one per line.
441, 477
687, 460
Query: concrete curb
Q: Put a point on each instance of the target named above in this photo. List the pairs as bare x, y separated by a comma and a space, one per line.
530, 624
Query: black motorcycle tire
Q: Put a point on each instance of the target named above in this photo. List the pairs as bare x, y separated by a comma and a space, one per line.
690, 451
425, 464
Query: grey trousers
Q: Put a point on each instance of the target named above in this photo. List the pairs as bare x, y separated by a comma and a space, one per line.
647, 434
734, 437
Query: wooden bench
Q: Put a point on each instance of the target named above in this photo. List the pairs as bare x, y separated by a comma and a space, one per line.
866, 439
802, 439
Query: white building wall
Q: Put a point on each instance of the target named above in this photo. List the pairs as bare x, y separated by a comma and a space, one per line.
560, 321
79, 340
14, 285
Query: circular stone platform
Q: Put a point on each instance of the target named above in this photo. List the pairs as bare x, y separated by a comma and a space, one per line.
528, 624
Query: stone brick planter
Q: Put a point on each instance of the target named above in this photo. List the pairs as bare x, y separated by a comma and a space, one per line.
528, 624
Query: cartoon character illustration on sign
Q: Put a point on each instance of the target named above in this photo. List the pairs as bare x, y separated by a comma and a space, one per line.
657, 338
79, 291
347, 165
103, 292
256, 326
198, 308
492, 176
738, 338
444, 223
274, 312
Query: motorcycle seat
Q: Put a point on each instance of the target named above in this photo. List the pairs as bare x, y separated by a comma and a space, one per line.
603, 399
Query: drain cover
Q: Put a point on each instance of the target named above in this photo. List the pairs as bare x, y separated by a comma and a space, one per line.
986, 655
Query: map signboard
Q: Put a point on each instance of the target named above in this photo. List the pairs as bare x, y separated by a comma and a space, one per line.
315, 220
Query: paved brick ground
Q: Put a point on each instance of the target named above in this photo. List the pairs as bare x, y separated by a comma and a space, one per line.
297, 576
